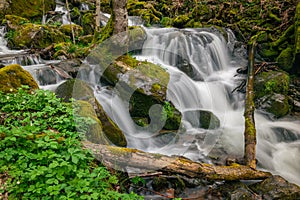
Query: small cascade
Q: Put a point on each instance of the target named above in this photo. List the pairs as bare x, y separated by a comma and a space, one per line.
84, 6
60, 8
202, 65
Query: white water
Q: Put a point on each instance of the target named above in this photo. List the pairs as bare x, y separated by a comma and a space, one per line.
207, 85
61, 9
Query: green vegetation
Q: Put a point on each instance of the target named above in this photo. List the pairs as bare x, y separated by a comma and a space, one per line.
41, 153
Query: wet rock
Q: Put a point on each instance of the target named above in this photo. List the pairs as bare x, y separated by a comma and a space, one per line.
202, 119
14, 76
277, 187
80, 90
74, 88
92, 130
143, 85
277, 104
271, 89
71, 66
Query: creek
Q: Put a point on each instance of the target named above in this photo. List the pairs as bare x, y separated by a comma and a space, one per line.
202, 65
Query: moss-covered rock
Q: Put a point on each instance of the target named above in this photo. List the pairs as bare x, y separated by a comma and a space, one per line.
146, 85
202, 119
67, 30
29, 35
267, 83
276, 187
14, 76
66, 90
93, 130
277, 104
144, 9
13, 21
285, 59
271, 89
31, 9
110, 129
79, 90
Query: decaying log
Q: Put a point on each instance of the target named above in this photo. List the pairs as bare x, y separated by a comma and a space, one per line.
121, 158
250, 131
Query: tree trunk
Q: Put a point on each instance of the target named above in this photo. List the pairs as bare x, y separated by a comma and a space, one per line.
121, 158
250, 132
98, 15
120, 16
69, 18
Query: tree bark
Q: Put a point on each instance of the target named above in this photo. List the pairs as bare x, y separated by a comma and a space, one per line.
121, 158
250, 131
120, 16
98, 15
69, 18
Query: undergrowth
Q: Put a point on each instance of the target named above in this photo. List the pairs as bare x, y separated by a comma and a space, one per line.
41, 153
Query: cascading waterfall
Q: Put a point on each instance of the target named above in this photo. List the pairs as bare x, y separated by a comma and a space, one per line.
41, 70
202, 77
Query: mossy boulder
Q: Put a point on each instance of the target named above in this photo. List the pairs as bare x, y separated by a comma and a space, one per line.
271, 89
94, 129
66, 90
30, 35
80, 90
31, 9
110, 128
202, 119
271, 82
13, 21
143, 85
67, 30
285, 59
13, 77
276, 187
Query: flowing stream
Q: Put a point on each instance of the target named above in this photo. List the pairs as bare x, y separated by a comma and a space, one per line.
202, 65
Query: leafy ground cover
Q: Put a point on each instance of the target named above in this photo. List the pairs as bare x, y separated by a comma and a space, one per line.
40, 151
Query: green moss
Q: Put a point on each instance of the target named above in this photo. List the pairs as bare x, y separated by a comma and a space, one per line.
249, 127
14, 21
88, 23
31, 9
67, 30
166, 21
267, 83
13, 77
74, 88
36, 36
180, 21
110, 129
288, 34
94, 131
279, 106
285, 59
145, 10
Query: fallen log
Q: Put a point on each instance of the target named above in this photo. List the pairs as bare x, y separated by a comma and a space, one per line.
121, 158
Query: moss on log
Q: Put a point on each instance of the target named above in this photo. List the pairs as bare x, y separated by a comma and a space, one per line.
120, 158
